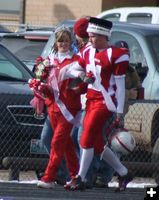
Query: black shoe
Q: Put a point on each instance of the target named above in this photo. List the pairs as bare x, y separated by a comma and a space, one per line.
68, 185
88, 185
100, 183
75, 184
59, 180
72, 184
123, 181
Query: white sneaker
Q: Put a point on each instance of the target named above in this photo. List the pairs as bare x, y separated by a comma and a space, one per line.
43, 184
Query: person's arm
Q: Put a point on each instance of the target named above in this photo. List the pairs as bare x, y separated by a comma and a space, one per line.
75, 70
120, 63
120, 95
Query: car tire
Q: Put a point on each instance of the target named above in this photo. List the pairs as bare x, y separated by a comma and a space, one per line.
155, 160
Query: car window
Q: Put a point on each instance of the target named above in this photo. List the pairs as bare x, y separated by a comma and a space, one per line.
145, 18
30, 52
115, 17
10, 67
154, 42
136, 52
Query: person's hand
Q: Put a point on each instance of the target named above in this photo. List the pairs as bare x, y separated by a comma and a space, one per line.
119, 121
133, 93
89, 78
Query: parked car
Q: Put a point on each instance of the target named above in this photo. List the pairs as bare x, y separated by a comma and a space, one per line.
3, 29
143, 42
19, 129
143, 115
143, 15
27, 45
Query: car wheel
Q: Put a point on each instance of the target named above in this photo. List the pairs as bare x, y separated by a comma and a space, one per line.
155, 160
155, 128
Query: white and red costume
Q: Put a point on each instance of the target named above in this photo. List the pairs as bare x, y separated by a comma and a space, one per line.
63, 106
104, 95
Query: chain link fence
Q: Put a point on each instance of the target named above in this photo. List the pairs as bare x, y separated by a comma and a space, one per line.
142, 121
22, 151
19, 135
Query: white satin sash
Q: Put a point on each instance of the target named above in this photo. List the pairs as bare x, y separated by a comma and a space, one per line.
107, 98
68, 116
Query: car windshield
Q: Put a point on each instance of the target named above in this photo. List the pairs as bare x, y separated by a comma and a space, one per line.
11, 68
25, 49
48, 47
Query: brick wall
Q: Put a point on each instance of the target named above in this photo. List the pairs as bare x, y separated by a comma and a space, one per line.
50, 12
9, 18
116, 3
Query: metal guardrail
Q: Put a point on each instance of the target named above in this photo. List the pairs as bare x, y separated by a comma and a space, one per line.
19, 27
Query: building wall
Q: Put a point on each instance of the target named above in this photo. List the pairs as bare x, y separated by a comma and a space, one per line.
10, 11
50, 12
123, 3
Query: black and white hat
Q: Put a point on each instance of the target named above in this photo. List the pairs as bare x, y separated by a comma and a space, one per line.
99, 26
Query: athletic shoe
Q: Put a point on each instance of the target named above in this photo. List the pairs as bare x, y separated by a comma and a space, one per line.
46, 185
68, 184
123, 181
75, 184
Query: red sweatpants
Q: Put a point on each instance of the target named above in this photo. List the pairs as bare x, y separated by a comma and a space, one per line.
61, 145
93, 123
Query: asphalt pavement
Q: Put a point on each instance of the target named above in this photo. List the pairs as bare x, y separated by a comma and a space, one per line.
16, 191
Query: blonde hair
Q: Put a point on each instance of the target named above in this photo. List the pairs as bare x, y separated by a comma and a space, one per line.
61, 34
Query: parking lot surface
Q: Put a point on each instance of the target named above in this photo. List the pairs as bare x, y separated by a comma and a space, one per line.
16, 191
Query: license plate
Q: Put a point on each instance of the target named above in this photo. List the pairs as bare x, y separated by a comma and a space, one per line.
36, 147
